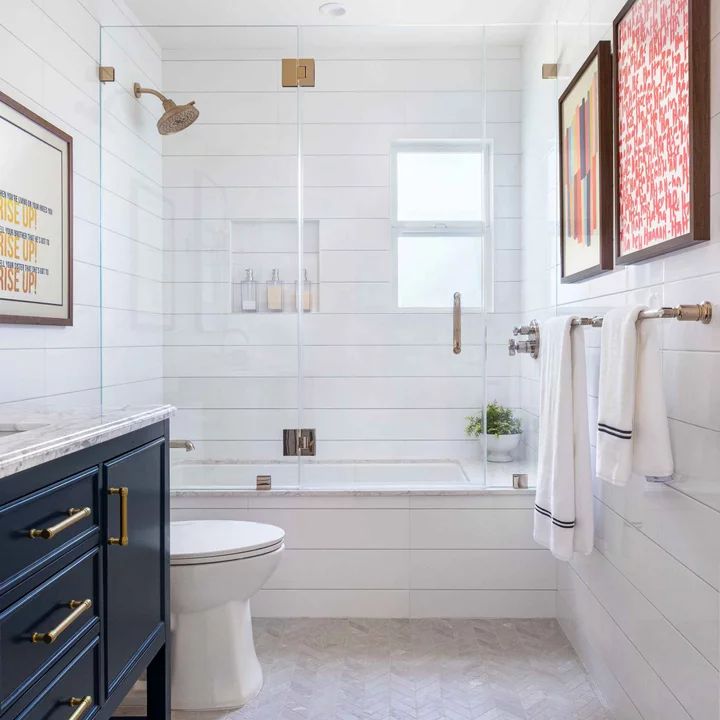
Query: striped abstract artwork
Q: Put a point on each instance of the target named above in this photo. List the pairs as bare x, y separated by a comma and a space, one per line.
580, 155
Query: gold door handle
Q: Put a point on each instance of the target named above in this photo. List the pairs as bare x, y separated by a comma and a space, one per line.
78, 607
123, 493
75, 515
457, 324
81, 705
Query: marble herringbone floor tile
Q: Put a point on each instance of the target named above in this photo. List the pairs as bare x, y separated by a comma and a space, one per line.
416, 670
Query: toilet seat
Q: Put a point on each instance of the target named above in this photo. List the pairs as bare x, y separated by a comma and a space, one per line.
199, 542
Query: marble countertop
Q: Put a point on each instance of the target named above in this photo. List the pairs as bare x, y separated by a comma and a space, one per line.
31, 438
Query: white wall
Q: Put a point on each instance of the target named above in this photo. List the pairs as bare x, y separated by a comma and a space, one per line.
48, 62
49, 55
396, 556
378, 384
642, 610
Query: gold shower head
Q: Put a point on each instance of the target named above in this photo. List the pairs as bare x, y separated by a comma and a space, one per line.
176, 117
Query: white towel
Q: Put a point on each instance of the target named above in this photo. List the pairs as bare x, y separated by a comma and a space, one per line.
633, 433
563, 499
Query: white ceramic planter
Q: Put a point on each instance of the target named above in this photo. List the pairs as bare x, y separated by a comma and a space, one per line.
499, 448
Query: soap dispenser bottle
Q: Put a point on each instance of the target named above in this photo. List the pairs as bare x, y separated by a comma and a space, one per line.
275, 292
248, 292
306, 292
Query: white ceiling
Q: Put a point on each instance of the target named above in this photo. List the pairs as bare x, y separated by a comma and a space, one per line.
359, 12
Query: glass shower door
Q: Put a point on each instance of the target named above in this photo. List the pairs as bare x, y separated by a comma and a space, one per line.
204, 232
397, 214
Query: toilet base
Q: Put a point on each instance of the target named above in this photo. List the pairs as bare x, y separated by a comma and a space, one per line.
214, 665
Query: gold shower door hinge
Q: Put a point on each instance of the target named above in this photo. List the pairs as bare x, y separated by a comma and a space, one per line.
298, 72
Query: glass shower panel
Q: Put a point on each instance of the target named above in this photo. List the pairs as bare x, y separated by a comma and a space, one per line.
396, 112
205, 231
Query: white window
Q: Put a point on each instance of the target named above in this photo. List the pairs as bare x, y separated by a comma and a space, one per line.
441, 218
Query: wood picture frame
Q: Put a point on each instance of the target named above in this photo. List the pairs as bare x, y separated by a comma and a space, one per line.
651, 220
36, 218
585, 132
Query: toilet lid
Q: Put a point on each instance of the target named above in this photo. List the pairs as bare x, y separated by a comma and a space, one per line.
205, 541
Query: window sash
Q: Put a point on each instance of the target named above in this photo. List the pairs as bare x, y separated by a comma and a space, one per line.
442, 228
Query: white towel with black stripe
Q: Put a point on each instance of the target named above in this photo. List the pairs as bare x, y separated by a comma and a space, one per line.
563, 498
633, 432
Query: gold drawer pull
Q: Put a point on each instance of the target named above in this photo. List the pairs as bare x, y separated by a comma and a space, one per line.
75, 515
123, 493
81, 705
78, 607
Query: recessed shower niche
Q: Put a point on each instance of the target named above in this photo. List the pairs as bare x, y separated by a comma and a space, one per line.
264, 266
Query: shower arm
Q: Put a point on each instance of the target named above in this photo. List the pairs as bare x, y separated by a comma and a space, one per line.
139, 90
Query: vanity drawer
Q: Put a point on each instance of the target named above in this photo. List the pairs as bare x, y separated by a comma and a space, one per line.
58, 516
37, 629
75, 690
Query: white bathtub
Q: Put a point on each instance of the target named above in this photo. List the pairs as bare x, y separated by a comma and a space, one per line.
327, 476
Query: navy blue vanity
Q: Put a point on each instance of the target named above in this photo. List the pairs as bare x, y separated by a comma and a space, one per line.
84, 579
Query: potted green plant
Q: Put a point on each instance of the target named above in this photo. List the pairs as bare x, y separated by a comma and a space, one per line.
503, 431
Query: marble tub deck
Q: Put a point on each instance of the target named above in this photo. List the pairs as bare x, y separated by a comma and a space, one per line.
352, 669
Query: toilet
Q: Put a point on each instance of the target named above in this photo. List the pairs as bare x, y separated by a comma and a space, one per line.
216, 566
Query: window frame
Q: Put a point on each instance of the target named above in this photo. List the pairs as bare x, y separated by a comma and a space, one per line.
482, 229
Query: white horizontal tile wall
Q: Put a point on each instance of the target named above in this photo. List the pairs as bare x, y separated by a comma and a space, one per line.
642, 610
48, 62
377, 383
396, 556
50, 52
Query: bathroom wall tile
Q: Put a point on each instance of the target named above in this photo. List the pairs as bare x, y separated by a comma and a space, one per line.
482, 570
575, 608
471, 529
38, 31
358, 529
488, 501
689, 676
331, 603
649, 694
210, 203
685, 601
75, 21
331, 501
249, 139
679, 524
355, 234
358, 570
693, 474
399, 392
356, 265
383, 75
689, 396
189, 76
482, 603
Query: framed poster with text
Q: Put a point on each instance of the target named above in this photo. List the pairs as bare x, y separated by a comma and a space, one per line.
662, 127
586, 182
35, 218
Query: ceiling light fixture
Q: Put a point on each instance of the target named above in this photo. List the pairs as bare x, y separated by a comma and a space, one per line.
334, 9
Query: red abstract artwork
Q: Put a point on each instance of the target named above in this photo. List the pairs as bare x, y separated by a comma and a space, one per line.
653, 92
